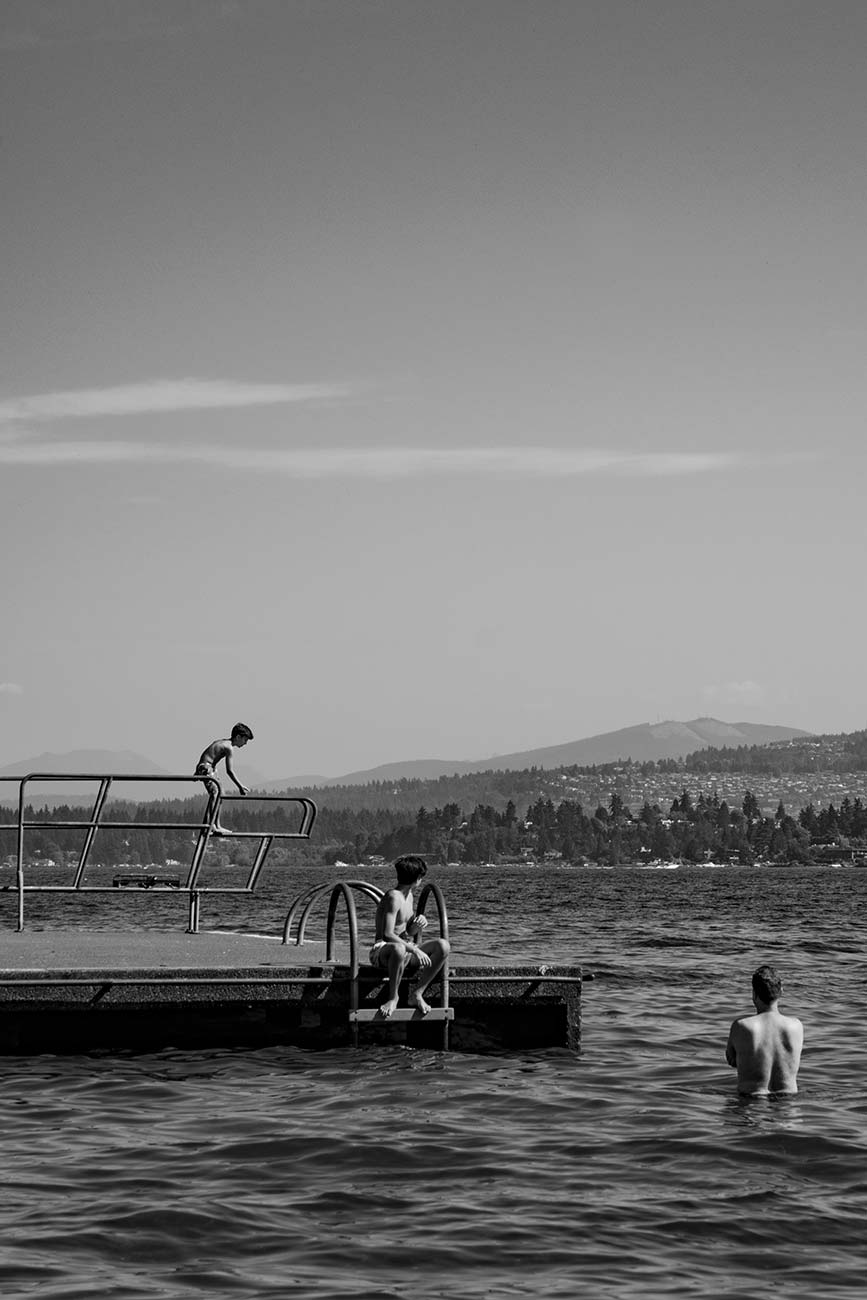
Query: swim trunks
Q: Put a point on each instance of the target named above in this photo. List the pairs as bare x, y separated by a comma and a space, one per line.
376, 952
212, 785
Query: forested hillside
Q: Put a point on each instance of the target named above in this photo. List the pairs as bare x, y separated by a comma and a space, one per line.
720, 805
783, 763
846, 752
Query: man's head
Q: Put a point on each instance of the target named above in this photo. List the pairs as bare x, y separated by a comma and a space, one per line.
241, 733
410, 869
767, 985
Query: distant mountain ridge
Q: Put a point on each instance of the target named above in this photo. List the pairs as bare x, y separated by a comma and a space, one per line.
644, 743
86, 760
647, 742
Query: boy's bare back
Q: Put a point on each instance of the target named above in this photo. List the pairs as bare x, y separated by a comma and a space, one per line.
215, 753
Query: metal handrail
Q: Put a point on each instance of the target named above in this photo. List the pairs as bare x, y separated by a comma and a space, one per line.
343, 890
304, 903
306, 900
432, 890
96, 822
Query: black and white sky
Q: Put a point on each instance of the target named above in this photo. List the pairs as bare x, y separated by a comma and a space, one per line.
422, 379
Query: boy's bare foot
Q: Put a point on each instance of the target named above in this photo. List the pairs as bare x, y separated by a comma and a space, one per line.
420, 1004
388, 1008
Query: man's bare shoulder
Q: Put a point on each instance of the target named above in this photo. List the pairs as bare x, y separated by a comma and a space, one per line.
760, 1022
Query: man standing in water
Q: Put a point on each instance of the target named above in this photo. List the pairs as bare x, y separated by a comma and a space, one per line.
397, 947
765, 1048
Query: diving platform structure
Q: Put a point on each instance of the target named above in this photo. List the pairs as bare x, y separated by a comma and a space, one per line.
100, 820
70, 989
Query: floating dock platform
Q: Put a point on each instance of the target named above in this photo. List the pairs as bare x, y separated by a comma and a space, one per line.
78, 990
65, 990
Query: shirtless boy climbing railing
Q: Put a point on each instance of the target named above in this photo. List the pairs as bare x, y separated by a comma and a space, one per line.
221, 751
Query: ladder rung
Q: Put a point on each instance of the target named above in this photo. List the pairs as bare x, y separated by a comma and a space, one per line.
375, 1016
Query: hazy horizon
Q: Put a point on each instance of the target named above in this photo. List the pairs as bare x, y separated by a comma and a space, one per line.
131, 761
411, 379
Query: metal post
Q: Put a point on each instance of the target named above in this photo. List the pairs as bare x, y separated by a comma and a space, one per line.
198, 854
19, 875
342, 890
433, 889
259, 861
95, 814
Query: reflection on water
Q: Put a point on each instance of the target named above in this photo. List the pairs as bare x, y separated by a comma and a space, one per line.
631, 1168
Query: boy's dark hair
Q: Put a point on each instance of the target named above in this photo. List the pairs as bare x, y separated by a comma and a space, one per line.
767, 984
410, 869
241, 729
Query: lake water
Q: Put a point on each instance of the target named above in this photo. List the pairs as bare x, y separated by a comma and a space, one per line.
630, 1168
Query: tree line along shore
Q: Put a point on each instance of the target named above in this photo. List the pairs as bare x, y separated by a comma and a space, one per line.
694, 828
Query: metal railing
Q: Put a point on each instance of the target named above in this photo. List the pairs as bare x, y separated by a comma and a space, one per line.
97, 821
304, 904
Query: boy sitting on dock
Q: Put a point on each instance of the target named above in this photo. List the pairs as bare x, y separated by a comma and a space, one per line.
217, 752
397, 948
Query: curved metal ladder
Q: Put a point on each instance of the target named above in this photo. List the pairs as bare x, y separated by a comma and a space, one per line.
359, 1016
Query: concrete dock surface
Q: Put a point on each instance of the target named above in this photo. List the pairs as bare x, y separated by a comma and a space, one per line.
78, 990
143, 950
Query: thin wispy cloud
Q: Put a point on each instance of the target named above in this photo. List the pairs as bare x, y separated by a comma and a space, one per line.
381, 462
162, 396
23, 442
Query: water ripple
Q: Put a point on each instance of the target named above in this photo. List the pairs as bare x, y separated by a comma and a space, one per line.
628, 1169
